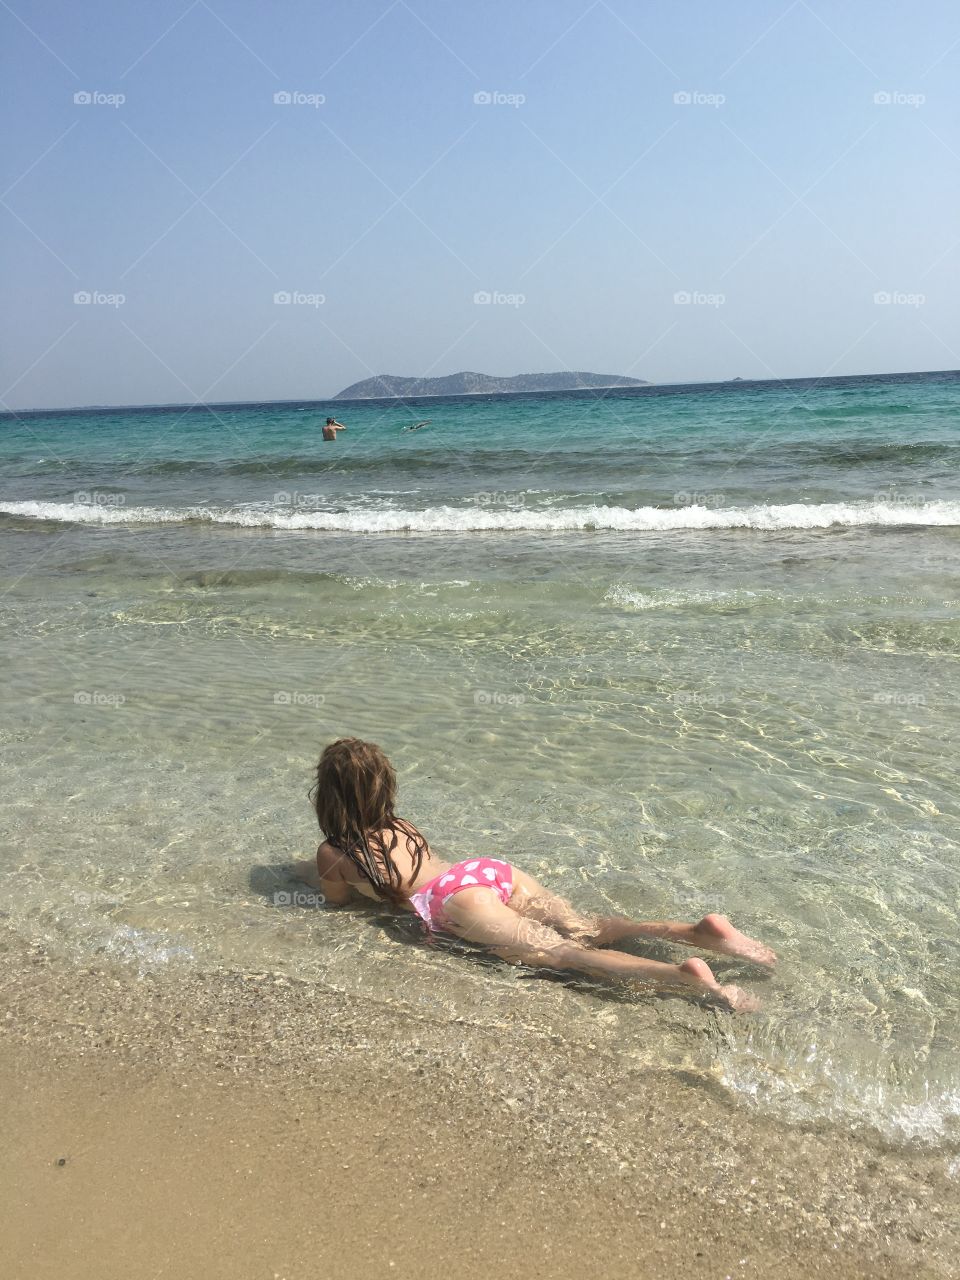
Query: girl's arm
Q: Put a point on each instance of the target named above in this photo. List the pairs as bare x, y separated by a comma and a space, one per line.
324, 873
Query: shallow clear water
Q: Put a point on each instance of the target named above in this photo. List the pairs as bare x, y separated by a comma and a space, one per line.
658, 717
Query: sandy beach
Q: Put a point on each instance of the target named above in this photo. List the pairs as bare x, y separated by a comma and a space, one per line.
248, 1125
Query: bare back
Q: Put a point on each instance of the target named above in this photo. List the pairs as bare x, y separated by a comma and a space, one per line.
335, 867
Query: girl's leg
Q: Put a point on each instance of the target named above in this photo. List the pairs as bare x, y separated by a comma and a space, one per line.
477, 915
531, 899
712, 933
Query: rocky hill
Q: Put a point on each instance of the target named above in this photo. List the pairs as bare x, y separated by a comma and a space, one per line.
387, 385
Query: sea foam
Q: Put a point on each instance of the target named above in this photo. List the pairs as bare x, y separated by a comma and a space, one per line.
472, 519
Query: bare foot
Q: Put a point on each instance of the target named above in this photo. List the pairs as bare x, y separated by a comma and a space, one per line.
732, 998
716, 933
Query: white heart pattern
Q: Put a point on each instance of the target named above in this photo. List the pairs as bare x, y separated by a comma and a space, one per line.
447, 880
472, 866
490, 873
469, 880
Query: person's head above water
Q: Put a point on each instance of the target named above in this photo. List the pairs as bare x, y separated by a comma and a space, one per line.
354, 795
331, 421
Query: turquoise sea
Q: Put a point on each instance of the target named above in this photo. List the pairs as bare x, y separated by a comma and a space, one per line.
672, 649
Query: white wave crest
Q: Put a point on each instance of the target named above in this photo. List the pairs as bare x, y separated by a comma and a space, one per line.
446, 519
627, 598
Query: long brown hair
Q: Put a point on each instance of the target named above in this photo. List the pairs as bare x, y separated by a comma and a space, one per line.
354, 796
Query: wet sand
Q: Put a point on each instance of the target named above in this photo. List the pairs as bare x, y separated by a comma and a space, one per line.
247, 1125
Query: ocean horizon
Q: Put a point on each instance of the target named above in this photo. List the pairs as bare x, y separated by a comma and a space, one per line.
319, 402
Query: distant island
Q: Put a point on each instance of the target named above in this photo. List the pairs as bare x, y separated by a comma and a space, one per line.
386, 385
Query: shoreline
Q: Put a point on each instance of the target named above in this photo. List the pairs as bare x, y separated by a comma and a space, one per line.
463, 1143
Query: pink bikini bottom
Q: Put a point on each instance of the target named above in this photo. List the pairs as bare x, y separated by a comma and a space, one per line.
475, 873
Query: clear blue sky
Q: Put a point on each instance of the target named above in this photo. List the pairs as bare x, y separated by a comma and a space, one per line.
596, 198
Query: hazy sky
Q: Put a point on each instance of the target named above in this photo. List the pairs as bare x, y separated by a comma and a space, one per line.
780, 165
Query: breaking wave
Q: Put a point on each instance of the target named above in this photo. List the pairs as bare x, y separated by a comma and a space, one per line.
479, 519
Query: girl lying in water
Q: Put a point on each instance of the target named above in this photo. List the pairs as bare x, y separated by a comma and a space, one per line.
369, 850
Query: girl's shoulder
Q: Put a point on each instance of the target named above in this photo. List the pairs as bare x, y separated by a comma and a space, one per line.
333, 871
330, 859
